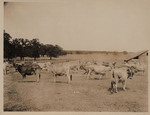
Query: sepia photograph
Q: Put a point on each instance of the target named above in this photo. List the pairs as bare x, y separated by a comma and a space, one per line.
75, 56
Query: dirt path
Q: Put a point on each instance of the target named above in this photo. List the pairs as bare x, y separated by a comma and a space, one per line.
81, 95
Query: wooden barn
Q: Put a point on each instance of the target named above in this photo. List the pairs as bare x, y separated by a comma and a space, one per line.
141, 57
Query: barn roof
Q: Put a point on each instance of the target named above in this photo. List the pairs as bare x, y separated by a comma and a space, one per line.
136, 56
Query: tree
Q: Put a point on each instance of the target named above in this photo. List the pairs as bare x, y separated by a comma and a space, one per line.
7, 46
35, 46
26, 48
55, 51
19, 45
42, 50
50, 51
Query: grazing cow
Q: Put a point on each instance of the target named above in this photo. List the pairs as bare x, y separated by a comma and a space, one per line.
120, 75
60, 69
105, 64
139, 68
74, 65
97, 69
85, 67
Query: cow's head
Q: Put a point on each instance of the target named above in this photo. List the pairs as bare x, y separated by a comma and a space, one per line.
130, 72
81, 67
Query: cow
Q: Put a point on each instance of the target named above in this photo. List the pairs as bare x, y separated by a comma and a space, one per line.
139, 68
30, 70
97, 69
43, 66
5, 67
85, 66
105, 64
121, 75
74, 65
25, 70
59, 69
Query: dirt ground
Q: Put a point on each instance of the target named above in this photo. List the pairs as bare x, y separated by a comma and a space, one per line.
81, 95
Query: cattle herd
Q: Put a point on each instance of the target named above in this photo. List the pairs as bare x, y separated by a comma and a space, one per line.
119, 72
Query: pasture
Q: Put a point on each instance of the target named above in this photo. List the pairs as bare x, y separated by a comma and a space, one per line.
81, 95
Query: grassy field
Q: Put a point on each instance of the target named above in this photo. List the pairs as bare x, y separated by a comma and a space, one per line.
81, 95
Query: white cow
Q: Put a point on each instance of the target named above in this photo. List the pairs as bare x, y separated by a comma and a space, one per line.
74, 65
120, 75
137, 66
5, 67
85, 66
43, 66
98, 69
60, 69
140, 68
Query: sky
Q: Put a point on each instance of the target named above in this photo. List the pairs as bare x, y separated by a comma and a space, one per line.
97, 25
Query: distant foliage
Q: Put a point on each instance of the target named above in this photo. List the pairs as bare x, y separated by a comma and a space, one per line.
94, 52
125, 52
20, 47
115, 53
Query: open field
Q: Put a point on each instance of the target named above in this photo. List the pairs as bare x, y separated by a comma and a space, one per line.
81, 95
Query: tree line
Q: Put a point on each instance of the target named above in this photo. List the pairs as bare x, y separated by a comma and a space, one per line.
20, 47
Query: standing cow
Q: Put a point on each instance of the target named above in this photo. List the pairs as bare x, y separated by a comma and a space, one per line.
120, 75
60, 69
5, 67
25, 70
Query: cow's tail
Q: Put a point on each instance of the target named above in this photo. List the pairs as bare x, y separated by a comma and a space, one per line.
112, 73
39, 76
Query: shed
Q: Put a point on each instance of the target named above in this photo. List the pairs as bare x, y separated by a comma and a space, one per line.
141, 57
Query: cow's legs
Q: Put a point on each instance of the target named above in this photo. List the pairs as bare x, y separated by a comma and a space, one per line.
86, 72
55, 78
23, 75
100, 77
89, 72
68, 76
112, 86
124, 85
77, 68
38, 77
5, 72
143, 72
116, 83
